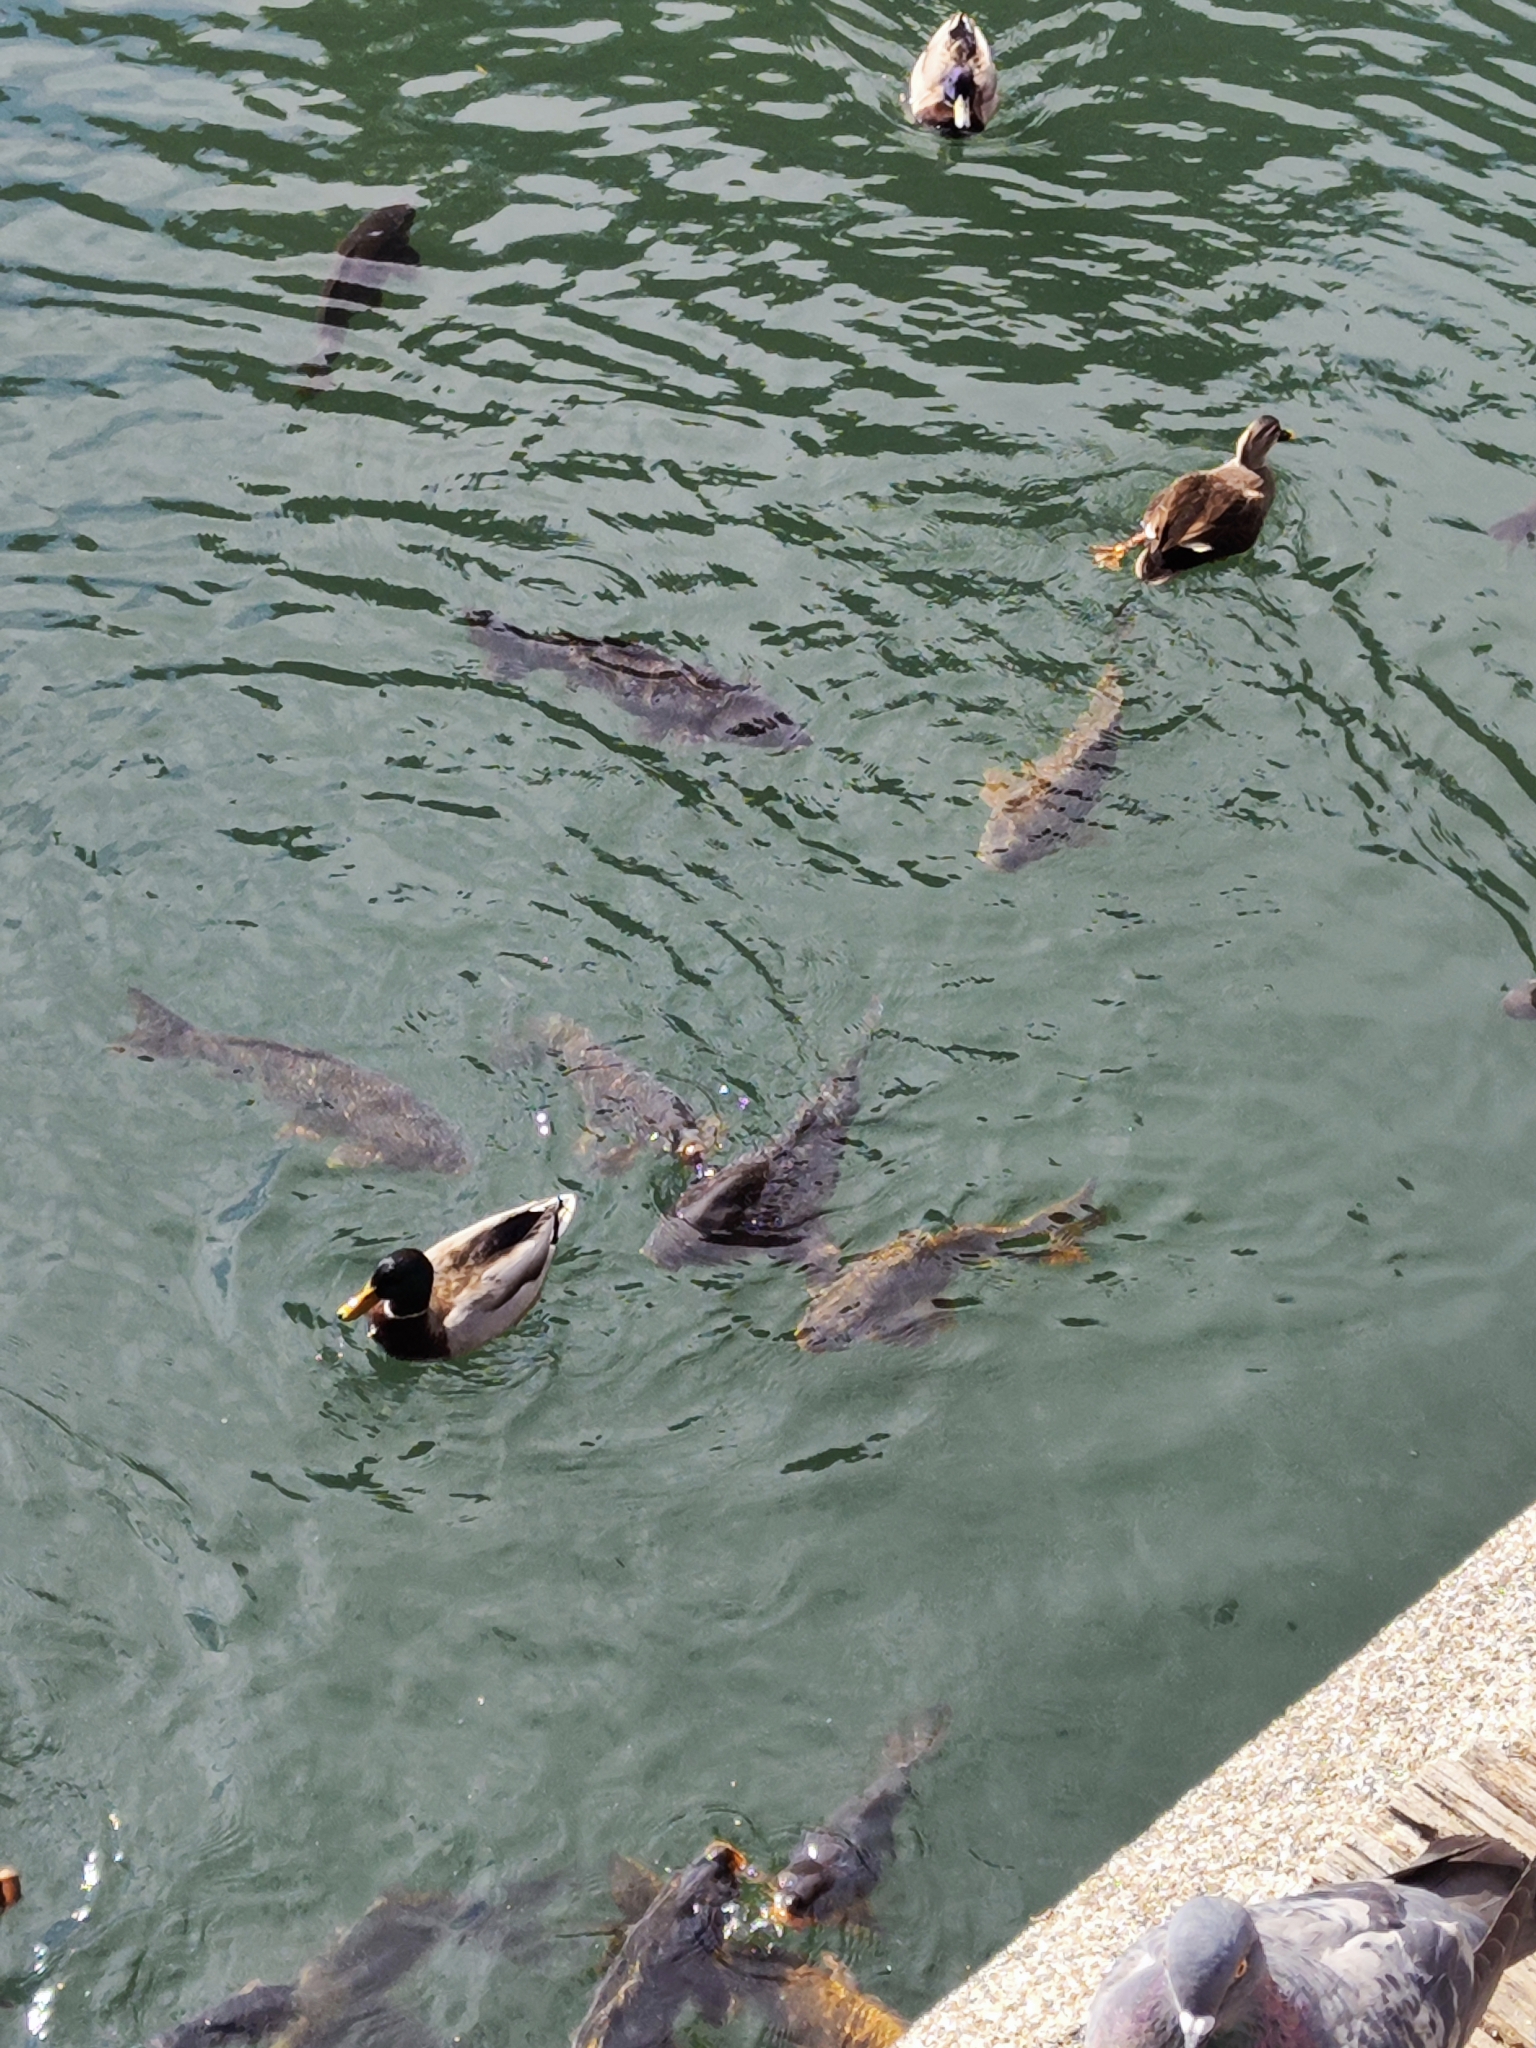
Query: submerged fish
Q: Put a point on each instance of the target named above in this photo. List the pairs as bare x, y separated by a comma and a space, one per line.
812, 2005
370, 258
10, 1888
342, 1991
670, 1959
897, 1292
1043, 806
837, 1865
622, 1101
379, 1122
768, 1200
1517, 527
673, 699
253, 2014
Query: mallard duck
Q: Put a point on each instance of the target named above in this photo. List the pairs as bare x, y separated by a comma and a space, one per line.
465, 1290
953, 86
1206, 515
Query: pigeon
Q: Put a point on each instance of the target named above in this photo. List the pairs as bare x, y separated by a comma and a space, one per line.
1406, 1961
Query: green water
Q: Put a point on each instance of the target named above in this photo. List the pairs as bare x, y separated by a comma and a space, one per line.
707, 348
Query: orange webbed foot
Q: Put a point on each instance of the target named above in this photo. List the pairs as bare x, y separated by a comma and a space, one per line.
1112, 554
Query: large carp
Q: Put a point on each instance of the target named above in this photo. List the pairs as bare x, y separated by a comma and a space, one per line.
672, 698
339, 1989
378, 1122
670, 1959
1043, 806
835, 1867
811, 2005
768, 1200
897, 1292
623, 1102
370, 258
343, 1990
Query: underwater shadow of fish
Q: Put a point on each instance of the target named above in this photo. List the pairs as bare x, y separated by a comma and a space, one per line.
371, 258
1043, 807
672, 698
379, 1122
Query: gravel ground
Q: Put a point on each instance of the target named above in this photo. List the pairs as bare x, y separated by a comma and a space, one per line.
1457, 1667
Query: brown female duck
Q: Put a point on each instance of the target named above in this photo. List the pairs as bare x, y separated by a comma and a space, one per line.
1207, 515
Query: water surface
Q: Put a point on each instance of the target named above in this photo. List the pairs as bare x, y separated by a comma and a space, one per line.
708, 349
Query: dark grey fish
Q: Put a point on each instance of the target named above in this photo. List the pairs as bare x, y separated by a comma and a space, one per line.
768, 1200
835, 1867
672, 698
1043, 806
1519, 526
249, 2015
339, 1989
342, 1992
1521, 1002
371, 259
379, 1122
670, 1959
624, 1102
1408, 1961
896, 1293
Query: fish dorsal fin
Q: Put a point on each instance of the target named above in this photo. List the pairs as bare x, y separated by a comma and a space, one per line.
632, 1884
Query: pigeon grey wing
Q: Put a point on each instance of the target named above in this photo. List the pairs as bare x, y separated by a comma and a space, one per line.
1511, 1937
1477, 1871
1371, 1966
1133, 2007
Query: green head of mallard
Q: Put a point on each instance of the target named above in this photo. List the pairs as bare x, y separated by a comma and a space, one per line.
400, 1283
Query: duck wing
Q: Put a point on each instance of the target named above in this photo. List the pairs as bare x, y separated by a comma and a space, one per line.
486, 1278
1210, 509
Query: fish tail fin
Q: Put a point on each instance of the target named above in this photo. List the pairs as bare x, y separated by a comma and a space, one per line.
158, 1033
1067, 1222
920, 1738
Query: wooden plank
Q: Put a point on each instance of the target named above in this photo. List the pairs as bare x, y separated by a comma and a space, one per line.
1465, 1792
1510, 1776
1429, 1815
1369, 1854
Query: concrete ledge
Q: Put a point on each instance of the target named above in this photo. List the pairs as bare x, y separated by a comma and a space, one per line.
1457, 1667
